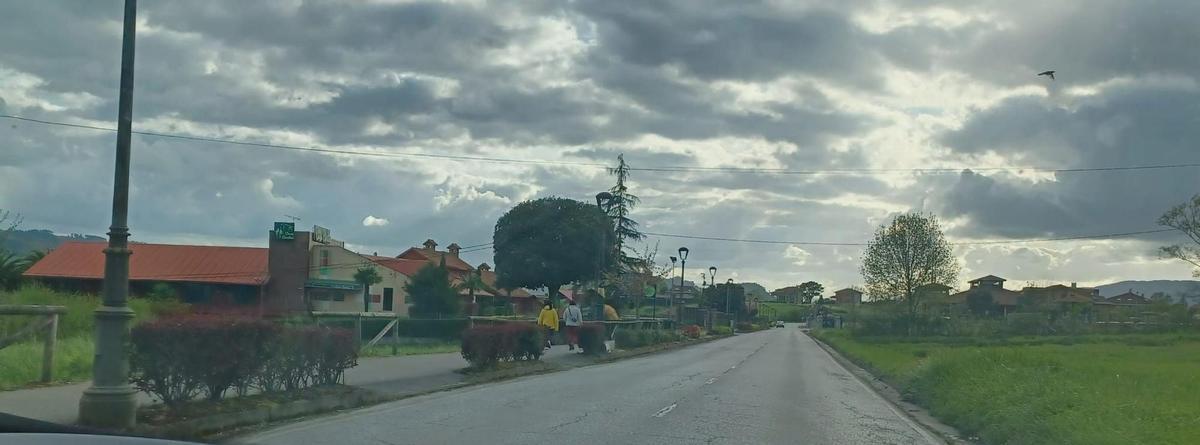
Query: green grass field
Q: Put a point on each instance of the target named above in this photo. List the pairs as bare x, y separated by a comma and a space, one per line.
21, 364
1118, 389
787, 312
411, 349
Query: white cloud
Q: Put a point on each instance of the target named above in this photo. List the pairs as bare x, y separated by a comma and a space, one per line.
372, 221
798, 256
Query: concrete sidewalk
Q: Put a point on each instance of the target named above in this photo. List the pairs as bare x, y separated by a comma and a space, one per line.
400, 376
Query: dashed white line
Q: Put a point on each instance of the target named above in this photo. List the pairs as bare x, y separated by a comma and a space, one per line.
710, 381
664, 411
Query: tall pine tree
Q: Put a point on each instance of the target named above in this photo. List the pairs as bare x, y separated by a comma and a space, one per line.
619, 208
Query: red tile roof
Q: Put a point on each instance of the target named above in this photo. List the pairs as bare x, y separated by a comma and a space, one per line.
403, 265
159, 262
435, 257
489, 278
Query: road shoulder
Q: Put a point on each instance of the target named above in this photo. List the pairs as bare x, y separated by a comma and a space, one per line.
911, 411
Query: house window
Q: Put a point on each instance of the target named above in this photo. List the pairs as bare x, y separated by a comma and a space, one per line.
324, 258
387, 299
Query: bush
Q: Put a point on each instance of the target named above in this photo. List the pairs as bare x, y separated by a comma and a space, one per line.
691, 331
721, 330
591, 338
484, 346
628, 338
744, 327
180, 357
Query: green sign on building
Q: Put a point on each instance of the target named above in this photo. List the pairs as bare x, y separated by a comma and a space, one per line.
285, 230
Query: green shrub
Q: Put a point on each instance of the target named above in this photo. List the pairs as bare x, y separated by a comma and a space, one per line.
484, 346
176, 358
628, 338
591, 338
721, 330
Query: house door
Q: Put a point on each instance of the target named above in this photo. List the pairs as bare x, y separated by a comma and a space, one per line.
387, 299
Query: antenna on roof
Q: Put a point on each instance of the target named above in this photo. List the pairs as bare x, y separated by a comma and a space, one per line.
293, 218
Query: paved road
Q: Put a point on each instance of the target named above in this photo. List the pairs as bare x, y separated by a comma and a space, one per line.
775, 386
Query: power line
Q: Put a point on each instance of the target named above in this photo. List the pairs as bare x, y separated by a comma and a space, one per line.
312, 149
672, 169
963, 243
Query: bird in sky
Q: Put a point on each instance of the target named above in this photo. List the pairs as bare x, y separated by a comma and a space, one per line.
1047, 73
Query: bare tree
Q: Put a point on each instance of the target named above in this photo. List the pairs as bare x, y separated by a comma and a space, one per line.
8, 223
908, 253
1186, 219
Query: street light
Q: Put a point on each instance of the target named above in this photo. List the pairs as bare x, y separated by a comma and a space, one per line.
671, 296
683, 254
604, 203
110, 402
728, 285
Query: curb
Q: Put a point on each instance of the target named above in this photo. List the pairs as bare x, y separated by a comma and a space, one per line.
217, 425
913, 412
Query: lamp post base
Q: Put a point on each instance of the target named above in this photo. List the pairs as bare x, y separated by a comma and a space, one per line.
111, 407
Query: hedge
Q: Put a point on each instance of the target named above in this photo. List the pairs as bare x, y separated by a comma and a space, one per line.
692, 331
484, 346
635, 338
178, 358
591, 338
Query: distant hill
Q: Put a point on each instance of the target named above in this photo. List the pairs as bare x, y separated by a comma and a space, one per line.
1188, 290
20, 242
755, 290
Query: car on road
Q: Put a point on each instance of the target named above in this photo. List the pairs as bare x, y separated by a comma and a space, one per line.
779, 323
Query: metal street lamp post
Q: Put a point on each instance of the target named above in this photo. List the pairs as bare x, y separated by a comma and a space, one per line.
110, 401
604, 203
728, 285
675, 292
683, 254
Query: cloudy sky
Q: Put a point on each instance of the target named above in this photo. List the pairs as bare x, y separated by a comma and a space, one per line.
857, 90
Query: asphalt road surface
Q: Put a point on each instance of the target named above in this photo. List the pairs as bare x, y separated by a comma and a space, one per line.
774, 386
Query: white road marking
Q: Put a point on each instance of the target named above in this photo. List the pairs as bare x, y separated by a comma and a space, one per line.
664, 411
710, 381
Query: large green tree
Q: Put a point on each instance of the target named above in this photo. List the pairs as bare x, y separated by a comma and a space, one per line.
909, 252
810, 290
550, 242
430, 293
715, 297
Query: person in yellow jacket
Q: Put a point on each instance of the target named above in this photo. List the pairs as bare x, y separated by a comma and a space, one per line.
548, 321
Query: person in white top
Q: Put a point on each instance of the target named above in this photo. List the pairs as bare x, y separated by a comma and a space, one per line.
572, 318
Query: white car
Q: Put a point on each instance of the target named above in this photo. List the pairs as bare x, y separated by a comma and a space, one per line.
779, 323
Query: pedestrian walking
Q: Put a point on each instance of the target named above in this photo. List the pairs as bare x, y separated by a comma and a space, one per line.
572, 318
548, 321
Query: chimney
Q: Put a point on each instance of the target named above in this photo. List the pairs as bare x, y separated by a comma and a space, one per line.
453, 249
485, 267
374, 253
430, 244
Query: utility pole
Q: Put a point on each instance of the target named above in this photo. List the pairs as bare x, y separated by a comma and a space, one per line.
110, 402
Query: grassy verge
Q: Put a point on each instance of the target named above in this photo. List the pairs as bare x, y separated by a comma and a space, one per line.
410, 349
21, 364
1116, 389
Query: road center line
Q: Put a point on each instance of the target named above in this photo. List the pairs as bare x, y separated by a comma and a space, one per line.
710, 381
664, 411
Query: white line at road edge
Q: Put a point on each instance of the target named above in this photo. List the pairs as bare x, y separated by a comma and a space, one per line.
710, 381
664, 411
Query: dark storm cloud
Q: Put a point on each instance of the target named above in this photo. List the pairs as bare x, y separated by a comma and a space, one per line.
1086, 41
1139, 124
733, 40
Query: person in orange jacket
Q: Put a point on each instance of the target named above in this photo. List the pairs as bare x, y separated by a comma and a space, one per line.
548, 321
